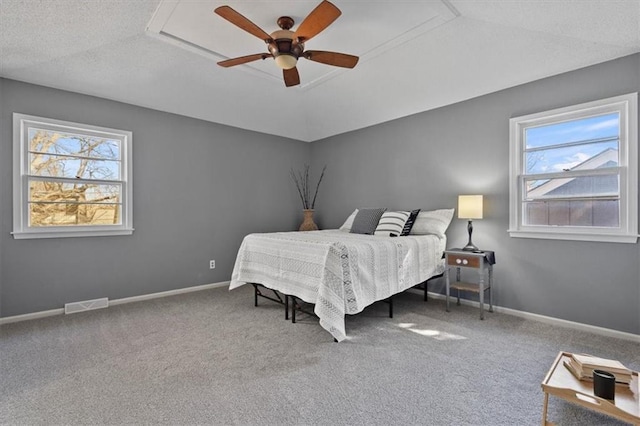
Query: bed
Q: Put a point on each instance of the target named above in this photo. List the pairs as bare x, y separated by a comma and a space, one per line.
337, 271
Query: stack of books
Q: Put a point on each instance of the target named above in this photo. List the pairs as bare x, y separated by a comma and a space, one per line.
582, 367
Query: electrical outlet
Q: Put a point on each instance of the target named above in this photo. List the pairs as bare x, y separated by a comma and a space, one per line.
212, 264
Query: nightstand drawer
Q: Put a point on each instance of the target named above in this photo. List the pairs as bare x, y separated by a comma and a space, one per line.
462, 260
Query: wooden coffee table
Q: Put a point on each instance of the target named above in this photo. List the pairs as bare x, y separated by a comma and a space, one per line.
560, 383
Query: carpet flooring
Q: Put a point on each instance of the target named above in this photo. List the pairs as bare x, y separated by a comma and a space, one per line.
211, 357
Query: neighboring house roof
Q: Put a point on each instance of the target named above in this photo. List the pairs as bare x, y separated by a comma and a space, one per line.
566, 186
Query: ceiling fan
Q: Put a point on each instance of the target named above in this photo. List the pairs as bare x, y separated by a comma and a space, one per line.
286, 46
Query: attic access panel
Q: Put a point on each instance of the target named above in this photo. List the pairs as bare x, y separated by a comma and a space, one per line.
365, 29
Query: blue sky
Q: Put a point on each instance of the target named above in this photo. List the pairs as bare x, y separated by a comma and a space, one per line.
557, 159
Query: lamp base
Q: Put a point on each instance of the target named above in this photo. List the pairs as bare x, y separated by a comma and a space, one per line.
470, 246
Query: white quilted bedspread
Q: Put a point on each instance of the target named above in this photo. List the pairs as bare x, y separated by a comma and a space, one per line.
341, 273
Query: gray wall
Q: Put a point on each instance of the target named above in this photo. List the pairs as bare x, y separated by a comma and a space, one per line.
426, 160
198, 189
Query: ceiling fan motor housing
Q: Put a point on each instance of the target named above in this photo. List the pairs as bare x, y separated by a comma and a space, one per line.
284, 46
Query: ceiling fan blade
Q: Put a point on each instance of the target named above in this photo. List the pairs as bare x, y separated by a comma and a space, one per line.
243, 60
319, 19
332, 58
291, 77
240, 21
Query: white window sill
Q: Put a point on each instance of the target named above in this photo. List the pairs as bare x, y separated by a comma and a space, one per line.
558, 235
70, 234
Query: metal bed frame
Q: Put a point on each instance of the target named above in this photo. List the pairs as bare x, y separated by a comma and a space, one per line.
257, 292
283, 299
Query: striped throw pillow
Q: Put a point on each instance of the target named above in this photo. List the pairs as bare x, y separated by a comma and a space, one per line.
409, 223
391, 223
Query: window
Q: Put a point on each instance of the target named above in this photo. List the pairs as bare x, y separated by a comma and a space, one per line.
70, 180
574, 172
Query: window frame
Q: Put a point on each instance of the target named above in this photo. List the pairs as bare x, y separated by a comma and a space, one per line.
627, 232
21, 228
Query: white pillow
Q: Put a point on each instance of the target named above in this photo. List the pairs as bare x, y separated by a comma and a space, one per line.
391, 224
346, 226
433, 222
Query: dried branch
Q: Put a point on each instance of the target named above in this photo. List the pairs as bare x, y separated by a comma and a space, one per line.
298, 186
313, 204
301, 180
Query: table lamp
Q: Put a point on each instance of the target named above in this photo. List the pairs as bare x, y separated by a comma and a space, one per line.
470, 207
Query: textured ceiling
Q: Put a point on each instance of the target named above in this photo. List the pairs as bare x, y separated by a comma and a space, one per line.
415, 56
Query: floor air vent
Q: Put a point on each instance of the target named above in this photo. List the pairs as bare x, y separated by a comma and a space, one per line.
86, 305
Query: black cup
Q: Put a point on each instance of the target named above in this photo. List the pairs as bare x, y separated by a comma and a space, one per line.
604, 384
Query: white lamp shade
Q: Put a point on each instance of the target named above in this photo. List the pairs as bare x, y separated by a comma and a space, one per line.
469, 206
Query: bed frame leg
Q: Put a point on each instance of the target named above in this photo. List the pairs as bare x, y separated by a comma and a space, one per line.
293, 309
391, 307
255, 295
426, 299
286, 307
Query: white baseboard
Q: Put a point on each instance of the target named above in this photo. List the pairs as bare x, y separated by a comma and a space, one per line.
32, 316
545, 319
167, 293
60, 311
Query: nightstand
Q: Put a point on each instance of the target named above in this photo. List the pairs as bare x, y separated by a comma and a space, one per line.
482, 262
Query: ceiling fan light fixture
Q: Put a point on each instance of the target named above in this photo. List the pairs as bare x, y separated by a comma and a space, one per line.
286, 61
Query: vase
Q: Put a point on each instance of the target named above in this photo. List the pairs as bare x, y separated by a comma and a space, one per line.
307, 223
